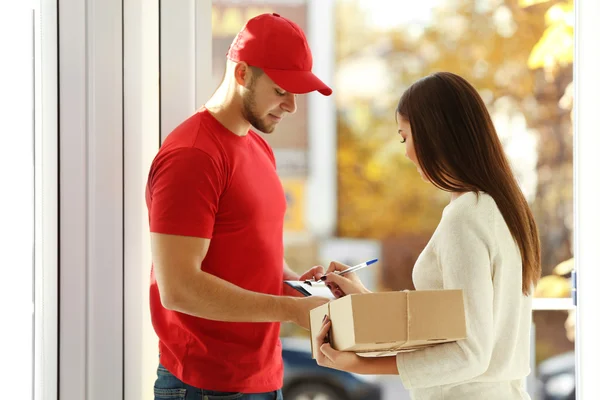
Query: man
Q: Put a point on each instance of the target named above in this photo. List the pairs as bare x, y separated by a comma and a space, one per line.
216, 209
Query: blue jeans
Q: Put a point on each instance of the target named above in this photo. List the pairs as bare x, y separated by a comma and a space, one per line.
168, 387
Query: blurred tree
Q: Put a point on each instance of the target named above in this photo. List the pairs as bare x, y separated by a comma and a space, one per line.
497, 45
551, 62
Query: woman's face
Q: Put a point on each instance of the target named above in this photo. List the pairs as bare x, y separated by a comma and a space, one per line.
406, 134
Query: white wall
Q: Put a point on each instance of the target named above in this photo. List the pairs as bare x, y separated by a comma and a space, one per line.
17, 196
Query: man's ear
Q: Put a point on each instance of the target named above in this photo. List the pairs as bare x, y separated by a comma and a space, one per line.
242, 74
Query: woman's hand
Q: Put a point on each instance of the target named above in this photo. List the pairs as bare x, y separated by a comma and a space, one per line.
341, 285
328, 357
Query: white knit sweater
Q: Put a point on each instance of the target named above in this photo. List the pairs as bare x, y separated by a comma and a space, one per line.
472, 249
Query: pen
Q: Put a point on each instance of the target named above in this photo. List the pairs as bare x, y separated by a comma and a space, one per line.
355, 268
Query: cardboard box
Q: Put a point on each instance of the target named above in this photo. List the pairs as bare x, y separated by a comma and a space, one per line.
385, 323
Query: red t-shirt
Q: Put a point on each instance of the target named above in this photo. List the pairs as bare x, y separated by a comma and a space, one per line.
208, 182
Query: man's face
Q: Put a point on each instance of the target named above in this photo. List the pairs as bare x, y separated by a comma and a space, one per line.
265, 104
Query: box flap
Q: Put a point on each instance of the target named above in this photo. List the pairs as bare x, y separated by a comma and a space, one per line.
380, 318
436, 316
341, 314
316, 321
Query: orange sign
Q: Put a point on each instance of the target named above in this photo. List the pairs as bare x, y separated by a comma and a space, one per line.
295, 197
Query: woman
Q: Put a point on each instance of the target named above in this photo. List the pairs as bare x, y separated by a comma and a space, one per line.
485, 244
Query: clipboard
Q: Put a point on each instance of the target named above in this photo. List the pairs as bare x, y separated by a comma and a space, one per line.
307, 288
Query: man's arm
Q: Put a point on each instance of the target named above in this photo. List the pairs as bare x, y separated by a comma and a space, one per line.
288, 273
185, 288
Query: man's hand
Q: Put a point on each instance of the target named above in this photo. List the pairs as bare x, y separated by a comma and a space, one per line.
315, 273
300, 312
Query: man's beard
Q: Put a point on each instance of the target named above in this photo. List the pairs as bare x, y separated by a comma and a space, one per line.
248, 107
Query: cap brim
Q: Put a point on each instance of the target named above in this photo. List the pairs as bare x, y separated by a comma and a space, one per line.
298, 82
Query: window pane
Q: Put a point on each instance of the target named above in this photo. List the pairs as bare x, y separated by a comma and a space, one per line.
520, 60
554, 355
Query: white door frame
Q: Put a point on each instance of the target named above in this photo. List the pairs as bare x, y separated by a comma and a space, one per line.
104, 158
46, 201
167, 42
90, 199
587, 195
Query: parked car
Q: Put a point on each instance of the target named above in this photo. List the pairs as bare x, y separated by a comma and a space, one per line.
556, 377
305, 380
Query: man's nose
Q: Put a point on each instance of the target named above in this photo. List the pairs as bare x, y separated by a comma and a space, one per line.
289, 104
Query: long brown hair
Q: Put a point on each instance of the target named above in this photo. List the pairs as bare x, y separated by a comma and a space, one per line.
458, 150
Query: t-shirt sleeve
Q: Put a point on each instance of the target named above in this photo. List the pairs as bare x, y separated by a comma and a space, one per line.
185, 186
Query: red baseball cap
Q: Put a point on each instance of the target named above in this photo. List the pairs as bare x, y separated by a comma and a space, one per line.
278, 47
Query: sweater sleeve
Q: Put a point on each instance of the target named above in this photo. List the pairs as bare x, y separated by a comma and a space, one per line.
463, 249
